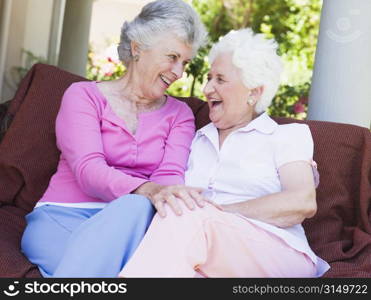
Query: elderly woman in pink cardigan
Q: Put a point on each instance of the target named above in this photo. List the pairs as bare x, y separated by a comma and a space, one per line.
124, 145
257, 175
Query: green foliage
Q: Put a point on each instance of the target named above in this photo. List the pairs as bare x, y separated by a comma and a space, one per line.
294, 24
290, 101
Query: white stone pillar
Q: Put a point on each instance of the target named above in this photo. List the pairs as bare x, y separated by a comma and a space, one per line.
75, 36
341, 83
56, 28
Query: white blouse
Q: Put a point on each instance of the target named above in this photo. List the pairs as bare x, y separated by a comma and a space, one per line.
246, 167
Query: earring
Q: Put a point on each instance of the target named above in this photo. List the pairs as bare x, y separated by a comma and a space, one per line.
136, 57
250, 101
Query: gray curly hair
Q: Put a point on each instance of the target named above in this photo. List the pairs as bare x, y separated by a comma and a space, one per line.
159, 18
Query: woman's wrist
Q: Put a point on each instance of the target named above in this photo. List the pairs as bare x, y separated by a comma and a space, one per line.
147, 189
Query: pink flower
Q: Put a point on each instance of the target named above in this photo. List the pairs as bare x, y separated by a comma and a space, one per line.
299, 108
108, 68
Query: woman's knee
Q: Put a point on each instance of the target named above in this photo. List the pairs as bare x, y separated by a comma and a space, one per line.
187, 216
133, 203
36, 229
43, 240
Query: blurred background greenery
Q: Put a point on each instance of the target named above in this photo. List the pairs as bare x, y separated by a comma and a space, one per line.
294, 24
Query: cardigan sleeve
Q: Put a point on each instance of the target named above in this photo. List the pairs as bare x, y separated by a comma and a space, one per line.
177, 147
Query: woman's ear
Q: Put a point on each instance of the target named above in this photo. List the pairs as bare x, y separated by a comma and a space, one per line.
135, 50
256, 93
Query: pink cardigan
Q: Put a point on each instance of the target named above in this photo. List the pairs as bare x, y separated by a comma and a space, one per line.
101, 160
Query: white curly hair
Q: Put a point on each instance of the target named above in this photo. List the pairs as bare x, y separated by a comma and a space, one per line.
257, 59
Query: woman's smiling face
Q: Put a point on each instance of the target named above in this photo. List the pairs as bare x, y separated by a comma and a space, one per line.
226, 94
161, 65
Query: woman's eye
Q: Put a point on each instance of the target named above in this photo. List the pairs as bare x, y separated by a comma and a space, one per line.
172, 57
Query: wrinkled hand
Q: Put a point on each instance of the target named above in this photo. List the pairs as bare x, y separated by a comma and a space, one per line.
171, 195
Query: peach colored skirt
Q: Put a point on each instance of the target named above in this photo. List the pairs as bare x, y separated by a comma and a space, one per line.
207, 242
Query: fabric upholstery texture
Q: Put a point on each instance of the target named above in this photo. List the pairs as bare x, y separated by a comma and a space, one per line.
340, 232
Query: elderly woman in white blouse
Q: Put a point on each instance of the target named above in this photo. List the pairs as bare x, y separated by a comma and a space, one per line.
257, 176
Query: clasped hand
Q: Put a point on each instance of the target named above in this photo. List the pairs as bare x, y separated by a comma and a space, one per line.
160, 196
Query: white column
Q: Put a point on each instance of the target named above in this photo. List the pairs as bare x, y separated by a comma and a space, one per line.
75, 36
56, 27
341, 83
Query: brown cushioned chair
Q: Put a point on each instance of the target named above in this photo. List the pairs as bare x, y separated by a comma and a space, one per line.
340, 232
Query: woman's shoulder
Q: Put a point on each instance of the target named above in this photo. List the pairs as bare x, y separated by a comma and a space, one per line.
292, 133
83, 89
292, 142
179, 106
82, 85
84, 94
292, 129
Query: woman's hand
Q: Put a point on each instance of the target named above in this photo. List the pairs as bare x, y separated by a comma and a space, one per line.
160, 195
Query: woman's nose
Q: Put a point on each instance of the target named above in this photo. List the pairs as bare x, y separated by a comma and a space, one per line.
208, 88
178, 70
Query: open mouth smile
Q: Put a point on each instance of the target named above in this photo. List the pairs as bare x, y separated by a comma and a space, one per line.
165, 80
215, 102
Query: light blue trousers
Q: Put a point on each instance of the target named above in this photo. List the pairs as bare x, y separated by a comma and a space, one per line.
81, 242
